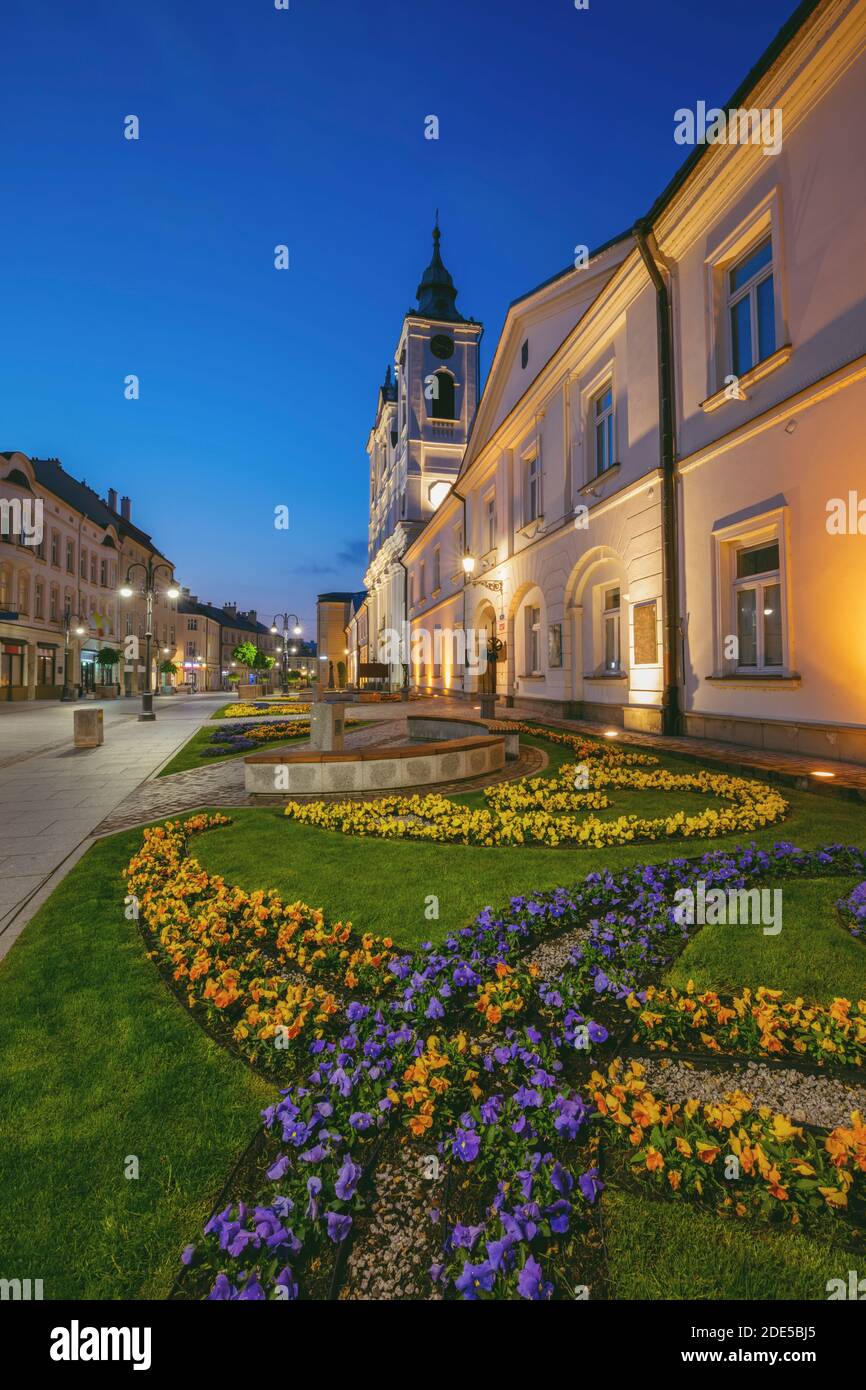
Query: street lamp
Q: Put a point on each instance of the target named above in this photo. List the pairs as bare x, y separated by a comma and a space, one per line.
285, 619
78, 629
150, 571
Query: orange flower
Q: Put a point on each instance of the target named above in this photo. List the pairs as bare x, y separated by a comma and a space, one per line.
654, 1160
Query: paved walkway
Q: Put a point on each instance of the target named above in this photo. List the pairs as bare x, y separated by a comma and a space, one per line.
53, 795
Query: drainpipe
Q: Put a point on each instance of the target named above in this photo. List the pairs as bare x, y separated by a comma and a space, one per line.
461, 498
406, 663
671, 708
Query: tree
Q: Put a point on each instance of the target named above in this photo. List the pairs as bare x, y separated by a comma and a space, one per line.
247, 654
168, 668
106, 659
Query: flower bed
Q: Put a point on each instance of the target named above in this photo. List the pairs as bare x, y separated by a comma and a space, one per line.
515, 1093
852, 910
764, 1023
245, 708
731, 1155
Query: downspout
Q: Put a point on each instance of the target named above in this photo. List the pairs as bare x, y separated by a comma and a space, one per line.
461, 498
406, 663
671, 708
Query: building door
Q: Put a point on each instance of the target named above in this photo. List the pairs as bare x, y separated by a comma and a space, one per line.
11, 667
88, 671
487, 684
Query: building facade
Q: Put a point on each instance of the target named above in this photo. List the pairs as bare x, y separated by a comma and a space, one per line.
335, 613
664, 496
425, 411
60, 604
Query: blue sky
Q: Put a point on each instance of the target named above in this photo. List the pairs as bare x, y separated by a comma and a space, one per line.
303, 127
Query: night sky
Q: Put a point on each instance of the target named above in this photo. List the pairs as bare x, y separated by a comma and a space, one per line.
305, 127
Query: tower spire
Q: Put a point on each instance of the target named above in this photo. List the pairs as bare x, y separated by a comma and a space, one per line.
436, 293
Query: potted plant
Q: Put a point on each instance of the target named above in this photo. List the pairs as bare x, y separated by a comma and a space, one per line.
106, 659
167, 669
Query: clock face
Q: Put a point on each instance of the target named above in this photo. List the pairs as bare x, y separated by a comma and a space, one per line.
441, 346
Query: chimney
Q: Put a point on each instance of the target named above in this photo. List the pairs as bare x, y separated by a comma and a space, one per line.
125, 505
112, 498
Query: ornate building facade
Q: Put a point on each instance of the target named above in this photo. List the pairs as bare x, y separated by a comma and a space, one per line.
425, 411
661, 511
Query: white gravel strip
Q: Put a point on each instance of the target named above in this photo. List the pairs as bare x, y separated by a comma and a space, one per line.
817, 1100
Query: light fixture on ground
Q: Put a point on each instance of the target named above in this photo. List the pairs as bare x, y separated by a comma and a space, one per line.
150, 572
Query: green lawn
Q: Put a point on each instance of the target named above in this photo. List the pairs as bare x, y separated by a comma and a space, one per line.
193, 755
812, 955
99, 1063
659, 1250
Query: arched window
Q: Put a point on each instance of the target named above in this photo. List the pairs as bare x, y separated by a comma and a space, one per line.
443, 399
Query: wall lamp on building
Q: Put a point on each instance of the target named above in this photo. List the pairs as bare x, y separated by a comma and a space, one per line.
150, 572
285, 619
495, 585
75, 625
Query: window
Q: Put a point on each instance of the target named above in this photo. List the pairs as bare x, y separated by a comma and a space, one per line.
422, 581
83, 564
490, 510
70, 557
436, 569
411, 591
55, 548
192, 624
758, 607
751, 308
190, 650
611, 630
524, 353
23, 594
93, 569
54, 597
533, 641
103, 573
533, 489
443, 399
39, 611
603, 416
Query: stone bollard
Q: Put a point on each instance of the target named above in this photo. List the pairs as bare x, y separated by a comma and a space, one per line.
88, 728
327, 722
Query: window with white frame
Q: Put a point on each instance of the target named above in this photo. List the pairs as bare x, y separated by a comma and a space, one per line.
533, 641
490, 518
751, 308
758, 607
422, 581
610, 623
533, 488
436, 569
602, 414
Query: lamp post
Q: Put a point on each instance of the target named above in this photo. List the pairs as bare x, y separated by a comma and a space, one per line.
66, 693
285, 619
150, 571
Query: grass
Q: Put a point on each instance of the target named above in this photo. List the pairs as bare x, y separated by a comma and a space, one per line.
659, 1250
99, 1063
383, 885
812, 955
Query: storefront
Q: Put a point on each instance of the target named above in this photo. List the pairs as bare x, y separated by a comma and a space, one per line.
12, 685
49, 670
88, 672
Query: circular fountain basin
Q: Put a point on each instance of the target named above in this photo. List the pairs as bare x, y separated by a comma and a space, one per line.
425, 760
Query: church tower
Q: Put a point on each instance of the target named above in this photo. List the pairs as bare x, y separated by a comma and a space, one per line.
424, 415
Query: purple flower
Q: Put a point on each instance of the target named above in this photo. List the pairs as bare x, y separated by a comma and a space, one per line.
466, 1145
475, 1279
286, 1280
590, 1184
278, 1169
530, 1283
347, 1180
314, 1187
338, 1226
222, 1289
186, 1257
360, 1120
